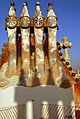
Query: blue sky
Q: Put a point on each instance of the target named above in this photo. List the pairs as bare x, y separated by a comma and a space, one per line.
68, 13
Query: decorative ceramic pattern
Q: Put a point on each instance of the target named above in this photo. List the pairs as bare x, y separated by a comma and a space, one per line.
12, 49
51, 13
5, 81
59, 78
12, 11
3, 71
12, 41
25, 34
11, 22
25, 10
55, 69
28, 73
52, 45
38, 42
12, 35
25, 22
25, 39
25, 48
63, 79
39, 52
52, 21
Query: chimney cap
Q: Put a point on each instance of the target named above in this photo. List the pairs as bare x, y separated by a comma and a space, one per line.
50, 4
37, 3
25, 4
12, 3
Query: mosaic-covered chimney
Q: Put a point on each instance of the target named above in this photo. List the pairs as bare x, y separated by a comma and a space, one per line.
52, 30
11, 30
25, 36
32, 43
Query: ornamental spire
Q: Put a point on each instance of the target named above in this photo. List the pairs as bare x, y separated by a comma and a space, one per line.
50, 10
25, 10
12, 11
37, 6
38, 10
66, 45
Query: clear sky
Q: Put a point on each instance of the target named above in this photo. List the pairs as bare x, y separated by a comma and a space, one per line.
68, 13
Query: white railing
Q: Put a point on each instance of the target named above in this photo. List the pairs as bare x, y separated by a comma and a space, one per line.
14, 112
52, 111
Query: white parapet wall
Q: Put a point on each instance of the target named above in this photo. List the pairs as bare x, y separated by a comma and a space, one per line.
35, 97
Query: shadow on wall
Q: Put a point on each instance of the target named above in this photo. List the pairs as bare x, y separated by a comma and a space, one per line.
37, 95
22, 78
